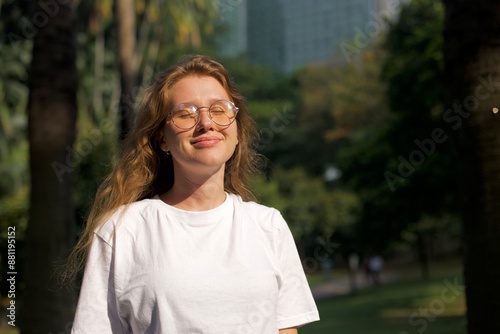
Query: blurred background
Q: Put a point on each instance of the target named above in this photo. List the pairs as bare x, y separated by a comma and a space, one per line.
378, 120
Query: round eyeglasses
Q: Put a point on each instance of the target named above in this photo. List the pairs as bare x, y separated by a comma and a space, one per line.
186, 115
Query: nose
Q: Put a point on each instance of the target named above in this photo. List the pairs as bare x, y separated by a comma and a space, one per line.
204, 122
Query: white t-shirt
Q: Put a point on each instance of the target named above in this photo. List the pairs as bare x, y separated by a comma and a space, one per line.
154, 268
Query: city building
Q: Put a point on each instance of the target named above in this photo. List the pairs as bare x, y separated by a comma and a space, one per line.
287, 34
233, 19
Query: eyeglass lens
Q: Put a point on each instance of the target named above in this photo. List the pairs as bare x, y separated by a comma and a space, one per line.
186, 116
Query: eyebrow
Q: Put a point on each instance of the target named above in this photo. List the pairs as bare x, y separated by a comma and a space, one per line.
210, 102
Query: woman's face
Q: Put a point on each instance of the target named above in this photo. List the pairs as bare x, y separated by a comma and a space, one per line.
206, 145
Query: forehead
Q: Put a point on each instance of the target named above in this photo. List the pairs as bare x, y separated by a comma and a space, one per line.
198, 90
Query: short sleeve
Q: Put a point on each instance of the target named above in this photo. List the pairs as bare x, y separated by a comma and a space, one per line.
296, 306
97, 308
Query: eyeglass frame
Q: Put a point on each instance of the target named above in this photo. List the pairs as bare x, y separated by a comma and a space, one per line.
197, 112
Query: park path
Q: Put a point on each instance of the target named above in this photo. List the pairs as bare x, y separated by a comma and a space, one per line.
342, 286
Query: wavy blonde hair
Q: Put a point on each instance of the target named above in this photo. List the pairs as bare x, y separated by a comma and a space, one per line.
144, 170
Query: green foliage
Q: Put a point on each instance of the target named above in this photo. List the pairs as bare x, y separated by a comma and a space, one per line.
414, 69
95, 147
15, 53
14, 22
99, 85
337, 100
13, 120
414, 72
363, 163
397, 180
261, 83
14, 211
305, 202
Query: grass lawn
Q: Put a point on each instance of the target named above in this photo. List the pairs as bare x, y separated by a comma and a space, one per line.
410, 305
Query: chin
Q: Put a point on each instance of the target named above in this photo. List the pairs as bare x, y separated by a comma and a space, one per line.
211, 160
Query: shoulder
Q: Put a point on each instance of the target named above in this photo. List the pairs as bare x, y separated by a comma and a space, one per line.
268, 218
127, 219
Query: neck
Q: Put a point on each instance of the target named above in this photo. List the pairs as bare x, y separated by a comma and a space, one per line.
196, 193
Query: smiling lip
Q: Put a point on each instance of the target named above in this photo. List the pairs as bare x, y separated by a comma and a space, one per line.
205, 141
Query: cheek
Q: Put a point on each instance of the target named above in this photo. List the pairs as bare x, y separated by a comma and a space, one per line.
176, 139
236, 132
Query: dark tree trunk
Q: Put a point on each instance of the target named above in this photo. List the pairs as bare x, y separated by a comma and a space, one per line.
52, 110
125, 15
472, 60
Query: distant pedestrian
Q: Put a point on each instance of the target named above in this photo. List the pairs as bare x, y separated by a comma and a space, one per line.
327, 267
353, 262
375, 265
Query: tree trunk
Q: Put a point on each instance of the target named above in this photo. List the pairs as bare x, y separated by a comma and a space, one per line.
472, 63
52, 109
125, 15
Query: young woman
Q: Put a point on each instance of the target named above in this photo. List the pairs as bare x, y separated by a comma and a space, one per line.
173, 243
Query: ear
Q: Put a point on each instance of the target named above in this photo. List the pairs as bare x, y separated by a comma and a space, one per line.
163, 142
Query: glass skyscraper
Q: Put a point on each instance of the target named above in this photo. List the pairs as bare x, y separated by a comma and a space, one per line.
286, 34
